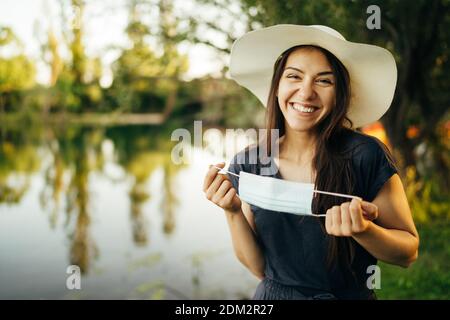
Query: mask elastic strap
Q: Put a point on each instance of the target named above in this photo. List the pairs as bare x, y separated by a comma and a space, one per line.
315, 191
224, 170
338, 194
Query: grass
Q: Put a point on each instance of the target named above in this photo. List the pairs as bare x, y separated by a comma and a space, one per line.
429, 276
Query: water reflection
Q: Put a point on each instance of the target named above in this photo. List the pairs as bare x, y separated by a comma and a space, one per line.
18, 159
87, 158
76, 166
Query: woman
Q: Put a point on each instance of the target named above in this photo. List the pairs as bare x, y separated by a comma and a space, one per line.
318, 87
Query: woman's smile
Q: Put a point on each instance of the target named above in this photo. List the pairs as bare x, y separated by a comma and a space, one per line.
303, 109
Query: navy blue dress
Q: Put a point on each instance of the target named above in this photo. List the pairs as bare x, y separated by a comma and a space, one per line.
295, 248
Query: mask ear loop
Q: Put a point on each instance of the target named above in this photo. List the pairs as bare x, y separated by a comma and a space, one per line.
337, 195
226, 171
314, 191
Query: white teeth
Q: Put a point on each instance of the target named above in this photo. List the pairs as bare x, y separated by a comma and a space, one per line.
301, 108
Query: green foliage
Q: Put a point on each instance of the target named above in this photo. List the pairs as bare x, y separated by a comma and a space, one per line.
429, 276
64, 92
143, 78
19, 158
17, 72
7, 36
224, 103
427, 200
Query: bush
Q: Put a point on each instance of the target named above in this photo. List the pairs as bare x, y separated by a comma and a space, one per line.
429, 276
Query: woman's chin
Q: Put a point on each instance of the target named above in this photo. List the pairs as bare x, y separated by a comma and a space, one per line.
300, 126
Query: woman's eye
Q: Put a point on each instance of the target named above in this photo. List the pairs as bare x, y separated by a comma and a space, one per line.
293, 76
325, 81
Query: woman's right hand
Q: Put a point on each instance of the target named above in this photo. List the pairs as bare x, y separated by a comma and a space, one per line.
219, 190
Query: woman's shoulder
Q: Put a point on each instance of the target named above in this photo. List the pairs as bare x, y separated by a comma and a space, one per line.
245, 160
368, 152
358, 143
372, 162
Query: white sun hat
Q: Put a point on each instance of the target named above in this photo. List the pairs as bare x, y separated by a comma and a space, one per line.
372, 69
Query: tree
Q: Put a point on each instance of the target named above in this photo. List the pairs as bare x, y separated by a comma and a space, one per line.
74, 83
145, 77
17, 72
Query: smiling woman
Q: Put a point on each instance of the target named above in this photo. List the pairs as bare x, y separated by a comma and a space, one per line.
317, 88
306, 91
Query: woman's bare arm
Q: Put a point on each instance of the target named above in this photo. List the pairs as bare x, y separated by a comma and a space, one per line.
219, 190
244, 240
391, 237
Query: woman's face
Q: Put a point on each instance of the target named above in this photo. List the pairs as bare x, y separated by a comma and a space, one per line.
306, 91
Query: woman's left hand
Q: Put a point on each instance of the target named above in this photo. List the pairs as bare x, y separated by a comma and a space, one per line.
350, 218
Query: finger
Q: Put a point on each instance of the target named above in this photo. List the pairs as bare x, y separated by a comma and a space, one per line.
230, 197
223, 189
210, 175
212, 189
370, 210
209, 178
336, 210
346, 220
356, 213
219, 165
328, 221
336, 220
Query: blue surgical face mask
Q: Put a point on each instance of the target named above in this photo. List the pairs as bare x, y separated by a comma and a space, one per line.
278, 194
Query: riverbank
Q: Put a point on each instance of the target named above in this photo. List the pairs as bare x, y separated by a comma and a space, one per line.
105, 119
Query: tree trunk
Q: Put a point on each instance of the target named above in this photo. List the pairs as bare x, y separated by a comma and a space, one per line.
2, 105
170, 102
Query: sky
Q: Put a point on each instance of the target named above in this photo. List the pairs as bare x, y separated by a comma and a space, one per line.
104, 21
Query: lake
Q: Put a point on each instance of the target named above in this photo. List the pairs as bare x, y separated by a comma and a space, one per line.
111, 201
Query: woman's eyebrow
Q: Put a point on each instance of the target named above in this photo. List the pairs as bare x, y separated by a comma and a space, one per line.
319, 74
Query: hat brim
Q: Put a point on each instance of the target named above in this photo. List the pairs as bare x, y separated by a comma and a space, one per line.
372, 69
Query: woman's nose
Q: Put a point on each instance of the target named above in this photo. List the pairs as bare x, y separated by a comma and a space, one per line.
306, 90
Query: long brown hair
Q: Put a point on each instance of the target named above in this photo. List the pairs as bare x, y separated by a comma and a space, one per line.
332, 166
